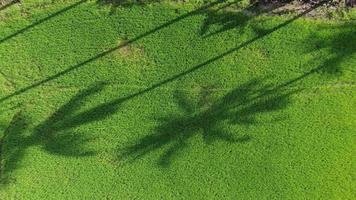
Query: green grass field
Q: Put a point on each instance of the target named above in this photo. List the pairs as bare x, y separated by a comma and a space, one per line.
174, 101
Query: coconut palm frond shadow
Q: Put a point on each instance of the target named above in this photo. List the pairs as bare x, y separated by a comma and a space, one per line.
227, 19
102, 54
240, 106
198, 11
56, 135
13, 145
238, 19
341, 46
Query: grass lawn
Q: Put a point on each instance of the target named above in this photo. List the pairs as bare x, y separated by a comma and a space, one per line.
174, 101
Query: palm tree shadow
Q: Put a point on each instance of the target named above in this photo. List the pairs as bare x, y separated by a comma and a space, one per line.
241, 106
231, 16
225, 19
56, 135
12, 151
198, 11
339, 46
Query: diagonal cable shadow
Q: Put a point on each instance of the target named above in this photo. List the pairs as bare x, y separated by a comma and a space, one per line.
207, 62
128, 42
9, 4
42, 21
239, 106
175, 77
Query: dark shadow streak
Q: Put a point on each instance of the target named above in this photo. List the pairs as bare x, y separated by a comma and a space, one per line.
107, 109
15, 131
177, 76
41, 21
56, 134
240, 106
266, 33
9, 4
103, 53
339, 46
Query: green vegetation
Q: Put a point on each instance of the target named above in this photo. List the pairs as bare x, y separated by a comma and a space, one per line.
174, 101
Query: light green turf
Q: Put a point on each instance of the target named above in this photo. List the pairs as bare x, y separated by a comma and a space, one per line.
164, 102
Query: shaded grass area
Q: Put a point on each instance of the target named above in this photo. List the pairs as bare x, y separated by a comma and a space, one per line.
170, 101
239, 106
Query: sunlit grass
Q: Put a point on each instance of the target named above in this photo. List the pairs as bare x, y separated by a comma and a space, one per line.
174, 101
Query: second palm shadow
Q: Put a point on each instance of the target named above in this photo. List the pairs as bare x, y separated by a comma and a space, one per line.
208, 117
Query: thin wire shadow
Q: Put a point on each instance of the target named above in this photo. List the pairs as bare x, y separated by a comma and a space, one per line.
195, 68
128, 42
41, 21
9, 4
66, 117
175, 77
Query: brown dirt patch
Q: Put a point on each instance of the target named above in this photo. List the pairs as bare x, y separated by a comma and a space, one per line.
129, 50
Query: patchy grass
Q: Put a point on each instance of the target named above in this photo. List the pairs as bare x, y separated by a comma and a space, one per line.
128, 51
174, 101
